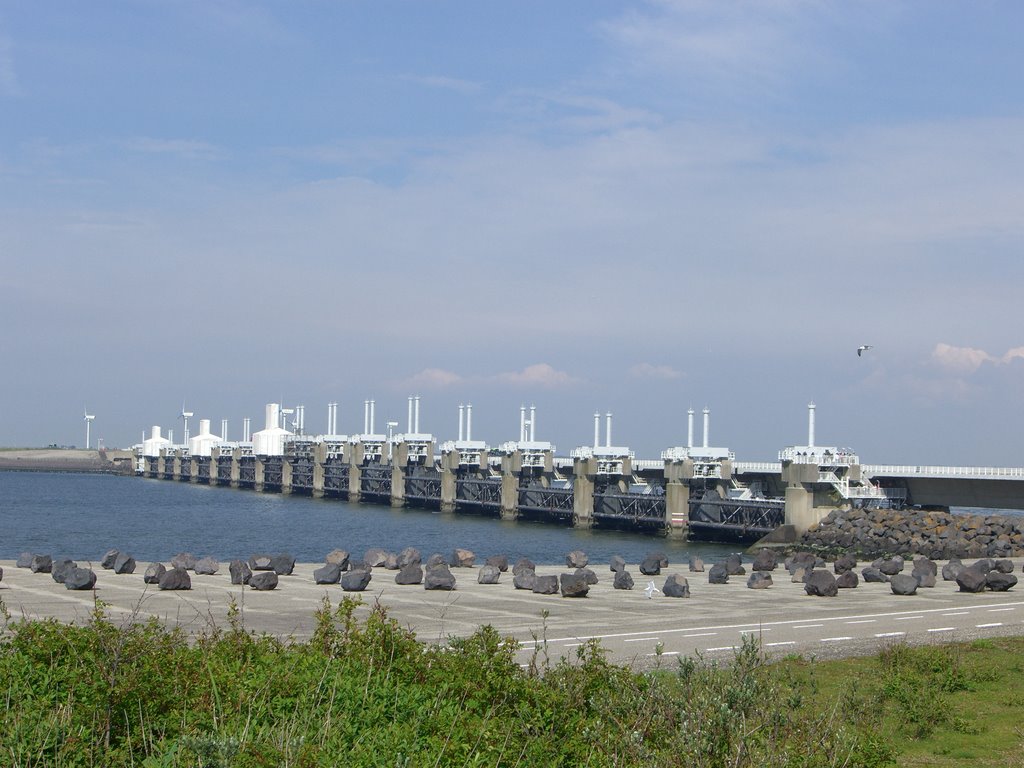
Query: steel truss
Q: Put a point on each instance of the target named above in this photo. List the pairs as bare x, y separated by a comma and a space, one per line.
302, 474
375, 480
483, 492
272, 472
647, 508
756, 516
554, 501
336, 476
423, 485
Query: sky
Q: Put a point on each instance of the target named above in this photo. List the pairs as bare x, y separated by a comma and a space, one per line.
586, 205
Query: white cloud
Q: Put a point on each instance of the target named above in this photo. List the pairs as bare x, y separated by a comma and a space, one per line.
434, 378
465, 87
651, 371
538, 375
969, 359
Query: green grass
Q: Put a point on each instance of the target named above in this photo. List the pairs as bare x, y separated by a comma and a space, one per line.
367, 693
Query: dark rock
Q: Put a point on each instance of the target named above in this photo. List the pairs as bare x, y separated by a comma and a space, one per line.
924, 578
240, 572
660, 557
264, 581
108, 559
409, 574
79, 578
545, 585
651, 566
1004, 566
184, 560
261, 563
375, 557
24, 560
123, 563
676, 586
696, 565
524, 579
573, 585
523, 565
439, 578
821, 583
497, 561
734, 564
872, 574
951, 569
576, 559
41, 564
718, 574
338, 557
435, 560
207, 566
462, 558
903, 584
925, 565
1000, 581
759, 580
971, 579
800, 573
282, 564
617, 564
355, 580
844, 564
154, 572
328, 573
847, 580
805, 560
60, 568
488, 574
984, 565
391, 561
588, 575
765, 560
175, 579
623, 580
892, 566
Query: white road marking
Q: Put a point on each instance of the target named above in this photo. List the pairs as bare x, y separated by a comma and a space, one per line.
759, 629
890, 634
907, 618
1000, 610
957, 613
942, 629
664, 653
775, 645
863, 621
986, 626
639, 639
834, 639
700, 634
722, 648
809, 626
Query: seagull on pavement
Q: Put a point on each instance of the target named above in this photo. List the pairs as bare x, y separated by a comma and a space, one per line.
862, 349
651, 590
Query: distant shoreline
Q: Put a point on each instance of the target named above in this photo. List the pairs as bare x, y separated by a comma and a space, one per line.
66, 460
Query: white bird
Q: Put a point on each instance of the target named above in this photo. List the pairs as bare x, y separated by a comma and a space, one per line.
862, 349
651, 590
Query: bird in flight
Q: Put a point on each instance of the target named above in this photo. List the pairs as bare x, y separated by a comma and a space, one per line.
862, 349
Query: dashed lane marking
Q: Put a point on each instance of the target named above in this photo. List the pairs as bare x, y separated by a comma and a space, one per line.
639, 639
835, 639
890, 634
986, 626
721, 648
811, 626
907, 618
776, 645
862, 621
942, 629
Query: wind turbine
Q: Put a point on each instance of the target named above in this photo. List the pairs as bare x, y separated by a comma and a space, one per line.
185, 416
88, 423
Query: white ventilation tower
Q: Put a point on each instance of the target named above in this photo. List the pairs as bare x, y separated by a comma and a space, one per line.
810, 424
203, 443
270, 440
151, 446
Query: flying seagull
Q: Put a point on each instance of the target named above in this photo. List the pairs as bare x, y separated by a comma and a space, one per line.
651, 589
862, 349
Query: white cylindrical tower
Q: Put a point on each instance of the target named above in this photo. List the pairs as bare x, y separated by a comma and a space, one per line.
810, 424
608, 430
533, 423
416, 416
408, 427
373, 417
707, 425
469, 421
366, 417
522, 423
689, 428
462, 409
597, 429
224, 429
246, 429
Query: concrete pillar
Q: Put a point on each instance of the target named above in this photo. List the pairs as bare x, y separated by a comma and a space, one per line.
800, 512
236, 472
258, 475
583, 471
319, 459
677, 510
355, 467
399, 468
449, 479
193, 469
176, 468
510, 468
287, 472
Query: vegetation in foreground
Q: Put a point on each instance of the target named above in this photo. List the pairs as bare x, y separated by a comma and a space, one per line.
367, 693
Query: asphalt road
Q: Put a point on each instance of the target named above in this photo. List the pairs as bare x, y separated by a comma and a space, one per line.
630, 626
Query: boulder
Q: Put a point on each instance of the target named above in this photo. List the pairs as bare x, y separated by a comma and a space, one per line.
108, 559
660, 557
623, 580
821, 583
1004, 566
587, 574
545, 585
676, 586
799, 574
184, 560
154, 572
891, 567
462, 558
391, 561
240, 572
41, 564
409, 574
925, 565
805, 560
847, 580
718, 574
1000, 581
24, 560
264, 581
261, 563
951, 569
759, 580
696, 564
207, 566
375, 557
409, 556
282, 564
971, 579
576, 559
872, 574
573, 585
123, 563
650, 566
175, 579
984, 565
734, 564
435, 560
60, 568
903, 584
79, 578
355, 580
439, 578
524, 580
338, 557
617, 563
765, 560
328, 573
924, 578
488, 574
522, 565
844, 564
498, 561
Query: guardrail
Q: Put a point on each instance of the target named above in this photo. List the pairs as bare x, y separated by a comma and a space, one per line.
757, 466
894, 470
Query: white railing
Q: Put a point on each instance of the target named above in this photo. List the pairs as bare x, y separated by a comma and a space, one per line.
648, 464
895, 470
773, 467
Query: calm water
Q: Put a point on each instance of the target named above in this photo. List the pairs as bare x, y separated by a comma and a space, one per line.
82, 516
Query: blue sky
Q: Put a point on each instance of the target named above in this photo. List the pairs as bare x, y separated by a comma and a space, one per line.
625, 206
